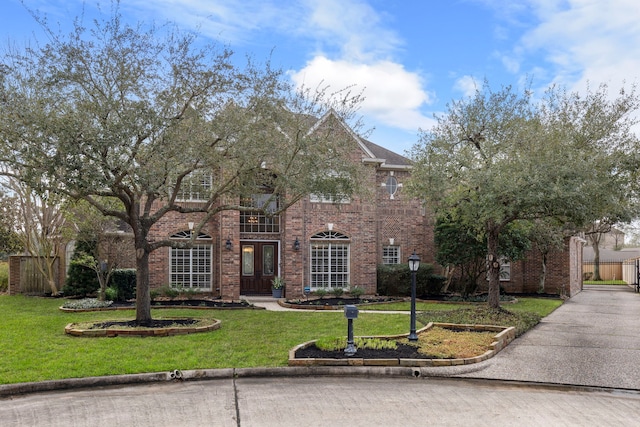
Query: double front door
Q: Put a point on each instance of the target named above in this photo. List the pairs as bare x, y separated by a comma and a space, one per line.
259, 265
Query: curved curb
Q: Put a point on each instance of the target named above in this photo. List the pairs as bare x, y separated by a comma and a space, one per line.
212, 374
505, 336
158, 332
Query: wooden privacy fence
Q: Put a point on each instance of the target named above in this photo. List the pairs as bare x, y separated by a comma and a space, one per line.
610, 271
29, 280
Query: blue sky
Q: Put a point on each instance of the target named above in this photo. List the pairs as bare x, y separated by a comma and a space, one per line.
411, 57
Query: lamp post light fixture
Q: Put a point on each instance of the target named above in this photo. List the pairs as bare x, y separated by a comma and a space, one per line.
228, 244
296, 245
414, 264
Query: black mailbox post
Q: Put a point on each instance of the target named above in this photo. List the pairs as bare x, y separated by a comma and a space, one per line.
350, 312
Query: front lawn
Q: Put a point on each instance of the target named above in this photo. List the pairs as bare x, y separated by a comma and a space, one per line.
35, 347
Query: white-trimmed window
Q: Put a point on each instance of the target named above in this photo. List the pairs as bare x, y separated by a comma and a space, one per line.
505, 270
334, 198
259, 221
329, 260
391, 185
190, 268
319, 198
195, 187
391, 254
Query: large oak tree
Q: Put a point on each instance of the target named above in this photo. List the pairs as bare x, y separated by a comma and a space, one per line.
139, 114
502, 156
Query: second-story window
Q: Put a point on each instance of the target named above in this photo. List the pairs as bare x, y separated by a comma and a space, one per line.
195, 187
261, 220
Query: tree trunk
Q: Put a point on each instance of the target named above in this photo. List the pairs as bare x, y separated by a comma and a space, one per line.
493, 270
143, 297
543, 274
596, 262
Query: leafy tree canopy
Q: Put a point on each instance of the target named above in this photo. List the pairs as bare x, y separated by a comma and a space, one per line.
142, 114
502, 156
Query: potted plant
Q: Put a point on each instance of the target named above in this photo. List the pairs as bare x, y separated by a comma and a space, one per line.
277, 286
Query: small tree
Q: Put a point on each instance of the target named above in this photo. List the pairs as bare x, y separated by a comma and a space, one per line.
41, 227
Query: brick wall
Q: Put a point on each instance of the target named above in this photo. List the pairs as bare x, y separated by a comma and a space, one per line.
563, 273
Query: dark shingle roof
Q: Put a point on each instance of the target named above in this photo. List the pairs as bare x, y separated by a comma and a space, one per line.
389, 156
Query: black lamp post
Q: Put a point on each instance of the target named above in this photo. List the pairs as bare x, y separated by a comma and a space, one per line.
414, 264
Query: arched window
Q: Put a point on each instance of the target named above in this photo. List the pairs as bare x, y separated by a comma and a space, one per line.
190, 268
329, 260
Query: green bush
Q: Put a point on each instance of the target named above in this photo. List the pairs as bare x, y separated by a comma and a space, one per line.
395, 280
123, 281
356, 292
320, 293
337, 292
81, 280
111, 294
4, 276
169, 292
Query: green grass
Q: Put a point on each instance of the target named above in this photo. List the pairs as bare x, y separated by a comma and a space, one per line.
35, 347
604, 282
523, 315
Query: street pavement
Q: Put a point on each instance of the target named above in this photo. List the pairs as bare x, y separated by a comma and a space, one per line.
576, 368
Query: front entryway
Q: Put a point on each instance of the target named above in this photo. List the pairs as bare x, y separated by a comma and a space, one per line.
259, 265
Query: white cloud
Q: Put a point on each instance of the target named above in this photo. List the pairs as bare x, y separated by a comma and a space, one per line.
467, 85
346, 42
353, 26
393, 95
584, 40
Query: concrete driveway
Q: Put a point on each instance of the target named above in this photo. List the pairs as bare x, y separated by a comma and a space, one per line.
593, 339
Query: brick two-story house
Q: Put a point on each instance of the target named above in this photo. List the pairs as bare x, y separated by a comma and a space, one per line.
316, 243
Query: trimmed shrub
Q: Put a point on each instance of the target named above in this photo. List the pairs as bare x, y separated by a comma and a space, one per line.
356, 291
81, 281
395, 280
123, 281
110, 294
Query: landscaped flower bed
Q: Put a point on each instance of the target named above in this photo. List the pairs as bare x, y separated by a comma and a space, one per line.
158, 328
299, 356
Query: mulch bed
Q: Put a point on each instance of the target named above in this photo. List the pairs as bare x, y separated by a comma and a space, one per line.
333, 301
154, 323
403, 351
188, 303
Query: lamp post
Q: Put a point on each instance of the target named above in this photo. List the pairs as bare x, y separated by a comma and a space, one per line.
414, 264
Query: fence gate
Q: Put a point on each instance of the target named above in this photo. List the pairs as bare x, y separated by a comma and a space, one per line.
32, 281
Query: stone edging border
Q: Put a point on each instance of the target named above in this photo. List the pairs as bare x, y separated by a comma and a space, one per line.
505, 336
70, 329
